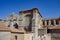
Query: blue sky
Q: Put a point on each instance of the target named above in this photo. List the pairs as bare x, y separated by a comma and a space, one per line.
47, 8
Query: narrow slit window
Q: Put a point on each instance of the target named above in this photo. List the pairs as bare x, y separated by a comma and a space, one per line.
43, 23
57, 22
15, 37
52, 22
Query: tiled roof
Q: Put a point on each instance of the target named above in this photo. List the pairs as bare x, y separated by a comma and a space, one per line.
16, 30
56, 27
29, 11
3, 27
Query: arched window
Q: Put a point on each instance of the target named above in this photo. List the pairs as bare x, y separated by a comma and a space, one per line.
57, 22
52, 22
43, 23
16, 25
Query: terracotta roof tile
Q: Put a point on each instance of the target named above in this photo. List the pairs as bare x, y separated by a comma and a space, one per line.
3, 27
16, 30
56, 27
28, 11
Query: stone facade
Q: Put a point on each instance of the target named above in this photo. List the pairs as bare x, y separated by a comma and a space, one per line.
5, 35
17, 36
34, 25
28, 36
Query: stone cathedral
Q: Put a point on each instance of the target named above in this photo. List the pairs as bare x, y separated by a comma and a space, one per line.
29, 25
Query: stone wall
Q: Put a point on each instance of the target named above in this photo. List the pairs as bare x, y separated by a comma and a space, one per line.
5, 35
17, 36
55, 36
42, 32
24, 20
28, 36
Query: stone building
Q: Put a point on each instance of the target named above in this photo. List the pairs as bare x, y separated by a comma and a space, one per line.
10, 33
4, 33
30, 25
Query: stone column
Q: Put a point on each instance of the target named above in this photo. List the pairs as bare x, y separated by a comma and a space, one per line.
45, 23
35, 28
54, 22
11, 25
49, 22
